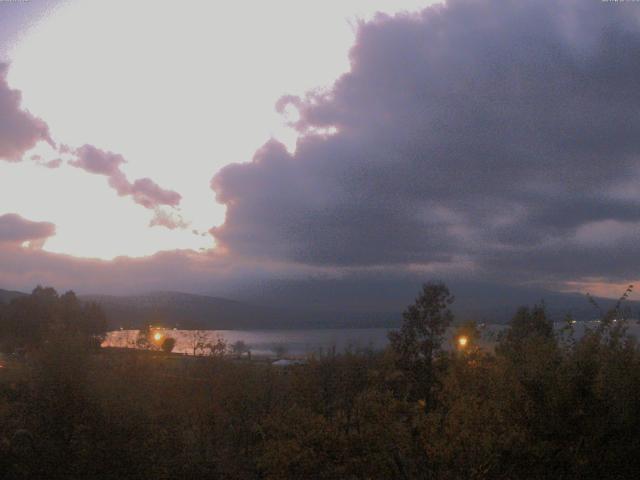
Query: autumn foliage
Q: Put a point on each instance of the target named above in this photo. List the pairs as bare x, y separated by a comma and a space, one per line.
543, 404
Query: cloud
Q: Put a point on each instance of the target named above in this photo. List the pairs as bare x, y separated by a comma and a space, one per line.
475, 133
100, 162
16, 230
97, 161
495, 143
19, 130
182, 270
169, 219
51, 164
144, 191
149, 194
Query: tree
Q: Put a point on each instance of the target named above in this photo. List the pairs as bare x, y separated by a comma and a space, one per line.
526, 326
219, 348
420, 336
279, 350
86, 319
28, 321
239, 348
198, 339
142, 341
168, 344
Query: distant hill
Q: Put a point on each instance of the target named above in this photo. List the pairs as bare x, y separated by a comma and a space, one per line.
186, 310
497, 305
7, 295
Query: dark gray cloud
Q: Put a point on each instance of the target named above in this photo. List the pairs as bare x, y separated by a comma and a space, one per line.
19, 130
497, 134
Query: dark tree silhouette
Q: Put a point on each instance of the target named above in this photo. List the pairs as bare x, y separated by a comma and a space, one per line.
168, 344
421, 335
28, 321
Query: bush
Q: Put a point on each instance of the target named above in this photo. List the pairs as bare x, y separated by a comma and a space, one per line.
168, 344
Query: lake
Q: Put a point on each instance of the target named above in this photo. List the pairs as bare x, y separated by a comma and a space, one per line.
302, 342
294, 343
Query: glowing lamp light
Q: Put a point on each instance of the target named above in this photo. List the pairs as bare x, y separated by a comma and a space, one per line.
157, 336
463, 341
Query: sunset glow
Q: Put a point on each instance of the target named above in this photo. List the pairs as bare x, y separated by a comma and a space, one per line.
177, 107
225, 147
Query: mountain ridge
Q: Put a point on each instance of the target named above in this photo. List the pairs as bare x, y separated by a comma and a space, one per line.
187, 310
7, 295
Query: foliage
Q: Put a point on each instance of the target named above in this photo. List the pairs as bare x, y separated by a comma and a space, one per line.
420, 338
526, 327
218, 349
239, 348
198, 340
279, 350
27, 322
143, 341
168, 344
534, 408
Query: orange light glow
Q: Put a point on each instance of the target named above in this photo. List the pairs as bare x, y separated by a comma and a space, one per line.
463, 341
157, 336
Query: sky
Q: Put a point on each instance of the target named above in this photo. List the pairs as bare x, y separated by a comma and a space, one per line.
233, 148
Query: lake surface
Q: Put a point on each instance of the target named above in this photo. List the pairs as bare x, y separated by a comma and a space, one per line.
293, 343
299, 343
264, 342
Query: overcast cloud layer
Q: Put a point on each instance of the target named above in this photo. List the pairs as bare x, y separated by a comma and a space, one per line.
497, 141
498, 135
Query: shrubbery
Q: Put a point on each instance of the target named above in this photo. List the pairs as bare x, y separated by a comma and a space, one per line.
539, 406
